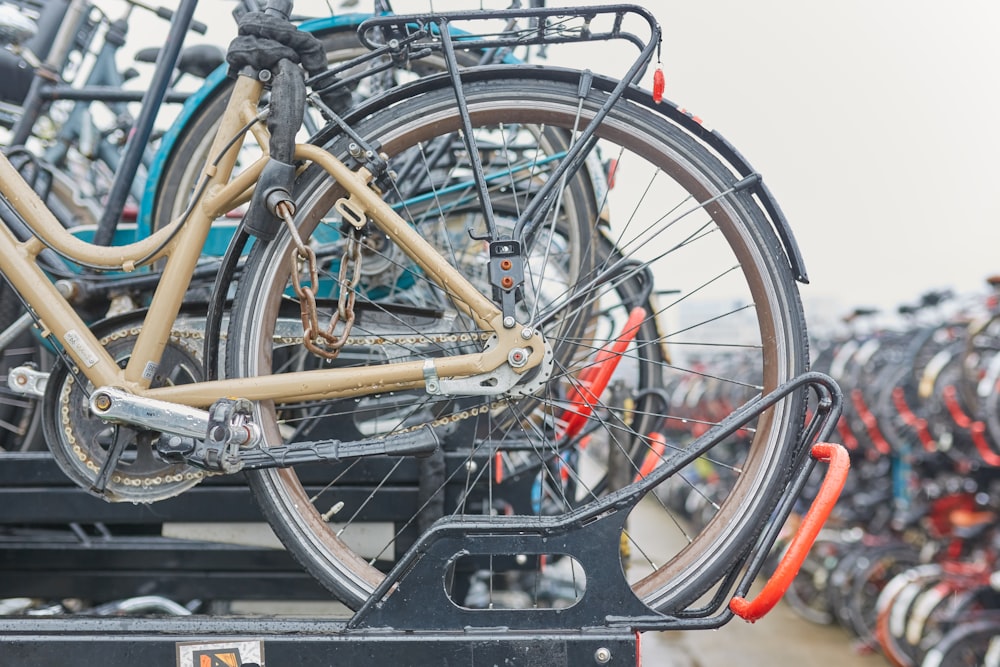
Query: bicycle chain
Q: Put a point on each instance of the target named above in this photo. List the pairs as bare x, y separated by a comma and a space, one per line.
189, 475
188, 335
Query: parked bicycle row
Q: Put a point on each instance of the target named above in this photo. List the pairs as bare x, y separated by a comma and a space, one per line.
922, 417
907, 563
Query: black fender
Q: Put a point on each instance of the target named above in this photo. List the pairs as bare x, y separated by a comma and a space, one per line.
749, 178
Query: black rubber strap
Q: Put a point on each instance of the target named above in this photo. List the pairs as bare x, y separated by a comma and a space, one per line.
265, 40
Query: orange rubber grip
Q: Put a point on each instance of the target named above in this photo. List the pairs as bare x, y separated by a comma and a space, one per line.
804, 537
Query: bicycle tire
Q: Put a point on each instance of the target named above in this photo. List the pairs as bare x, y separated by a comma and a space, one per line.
887, 614
807, 593
935, 612
20, 414
881, 566
896, 647
966, 645
769, 298
183, 165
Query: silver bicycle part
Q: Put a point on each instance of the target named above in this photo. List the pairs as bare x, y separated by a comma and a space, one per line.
28, 381
119, 406
503, 380
117, 460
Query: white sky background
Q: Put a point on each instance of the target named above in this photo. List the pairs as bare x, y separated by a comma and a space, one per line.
876, 123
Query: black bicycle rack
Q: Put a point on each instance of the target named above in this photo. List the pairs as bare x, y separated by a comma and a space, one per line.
411, 619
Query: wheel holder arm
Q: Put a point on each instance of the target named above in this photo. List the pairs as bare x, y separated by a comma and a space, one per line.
774, 589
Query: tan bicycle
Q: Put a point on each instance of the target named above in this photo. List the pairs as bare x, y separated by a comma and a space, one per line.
466, 299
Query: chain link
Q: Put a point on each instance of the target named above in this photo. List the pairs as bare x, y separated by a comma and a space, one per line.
321, 341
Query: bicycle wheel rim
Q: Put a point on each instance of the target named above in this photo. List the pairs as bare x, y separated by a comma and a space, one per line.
775, 306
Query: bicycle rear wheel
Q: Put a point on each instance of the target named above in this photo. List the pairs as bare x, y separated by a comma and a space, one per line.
672, 253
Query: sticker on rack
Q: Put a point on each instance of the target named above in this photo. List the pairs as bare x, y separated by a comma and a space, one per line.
232, 653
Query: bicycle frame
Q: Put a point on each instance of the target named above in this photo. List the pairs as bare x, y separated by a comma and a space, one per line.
60, 321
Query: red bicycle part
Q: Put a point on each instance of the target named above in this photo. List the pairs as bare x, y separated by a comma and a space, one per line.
657, 444
659, 84
912, 420
593, 380
829, 492
845, 434
977, 429
870, 422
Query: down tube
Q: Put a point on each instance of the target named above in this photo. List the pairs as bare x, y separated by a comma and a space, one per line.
17, 262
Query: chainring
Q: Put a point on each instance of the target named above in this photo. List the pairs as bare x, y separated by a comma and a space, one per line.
80, 442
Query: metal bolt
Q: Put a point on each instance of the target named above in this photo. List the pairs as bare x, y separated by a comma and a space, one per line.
471, 466
518, 357
354, 150
102, 402
527, 333
509, 322
264, 75
602, 656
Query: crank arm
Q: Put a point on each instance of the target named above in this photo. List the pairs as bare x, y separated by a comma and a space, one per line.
121, 407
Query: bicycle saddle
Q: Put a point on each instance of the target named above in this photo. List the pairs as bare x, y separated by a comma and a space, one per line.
199, 60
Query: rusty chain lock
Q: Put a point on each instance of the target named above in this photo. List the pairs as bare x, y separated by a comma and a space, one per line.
322, 342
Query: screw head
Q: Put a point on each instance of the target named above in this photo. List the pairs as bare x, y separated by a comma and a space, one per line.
602, 656
102, 402
509, 322
518, 357
527, 333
